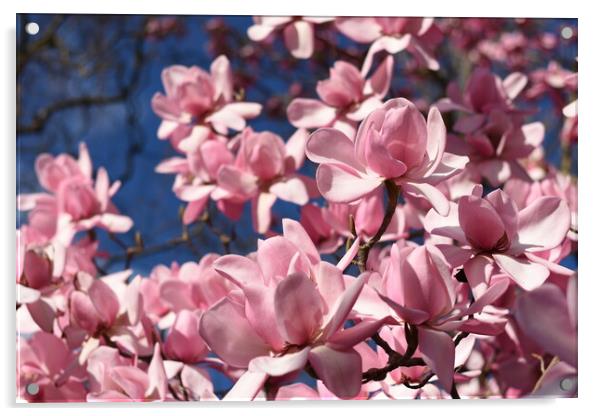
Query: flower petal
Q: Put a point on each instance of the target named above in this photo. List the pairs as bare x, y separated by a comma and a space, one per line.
527, 274
298, 308
343, 185
341, 371
229, 334
438, 351
282, 365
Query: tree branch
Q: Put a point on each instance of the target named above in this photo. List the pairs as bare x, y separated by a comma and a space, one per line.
392, 195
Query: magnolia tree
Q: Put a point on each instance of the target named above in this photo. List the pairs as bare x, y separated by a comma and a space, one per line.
425, 261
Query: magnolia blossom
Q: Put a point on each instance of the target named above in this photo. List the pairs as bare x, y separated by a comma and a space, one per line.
46, 361
290, 312
197, 103
417, 285
196, 176
495, 150
551, 79
484, 93
346, 98
495, 235
298, 32
394, 142
188, 287
555, 183
117, 380
265, 170
495, 137
76, 202
393, 35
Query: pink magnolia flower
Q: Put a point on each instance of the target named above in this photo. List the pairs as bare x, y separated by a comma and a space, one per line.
393, 35
510, 48
484, 93
46, 361
109, 309
113, 378
419, 287
302, 330
265, 170
197, 103
290, 311
495, 235
346, 98
78, 203
196, 175
298, 32
552, 79
555, 183
313, 219
393, 142
189, 287
496, 149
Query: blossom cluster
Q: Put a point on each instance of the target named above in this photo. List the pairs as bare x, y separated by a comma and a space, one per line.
425, 261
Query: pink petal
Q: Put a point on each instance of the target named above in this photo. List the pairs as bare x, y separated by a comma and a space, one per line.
261, 313
116, 223
380, 81
514, 83
246, 387
261, 208
341, 371
259, 32
544, 317
343, 185
295, 147
438, 351
544, 223
241, 270
132, 380
433, 195
177, 294
228, 333
43, 314
310, 113
350, 337
297, 391
199, 383
299, 39
527, 274
281, 365
329, 280
222, 77
480, 222
157, 379
478, 272
448, 226
291, 189
298, 308
274, 257
330, 146
340, 310
295, 233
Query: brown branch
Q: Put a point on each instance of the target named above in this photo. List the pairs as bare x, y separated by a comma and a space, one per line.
392, 195
396, 360
41, 117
